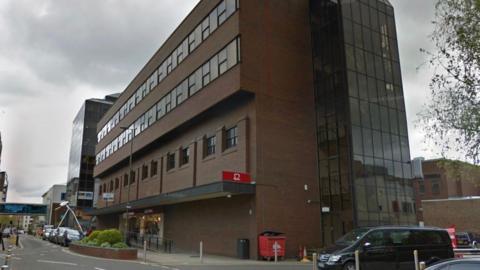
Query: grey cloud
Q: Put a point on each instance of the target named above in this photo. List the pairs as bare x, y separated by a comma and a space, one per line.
53, 56
102, 43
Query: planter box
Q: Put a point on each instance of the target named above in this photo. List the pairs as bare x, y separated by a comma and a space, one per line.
108, 253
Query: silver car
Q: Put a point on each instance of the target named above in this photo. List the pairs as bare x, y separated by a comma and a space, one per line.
457, 264
67, 235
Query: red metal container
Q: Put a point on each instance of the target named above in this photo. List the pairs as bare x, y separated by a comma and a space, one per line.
267, 245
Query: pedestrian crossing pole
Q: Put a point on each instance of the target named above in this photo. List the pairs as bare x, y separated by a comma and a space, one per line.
145, 251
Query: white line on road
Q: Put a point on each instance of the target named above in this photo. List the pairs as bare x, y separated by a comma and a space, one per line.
96, 268
55, 262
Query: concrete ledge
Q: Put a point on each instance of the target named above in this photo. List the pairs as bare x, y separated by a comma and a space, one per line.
107, 253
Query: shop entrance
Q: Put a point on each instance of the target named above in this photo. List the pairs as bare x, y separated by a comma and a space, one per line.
148, 227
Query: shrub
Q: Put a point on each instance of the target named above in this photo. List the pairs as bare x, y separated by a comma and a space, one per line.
94, 235
105, 245
119, 245
93, 243
109, 236
84, 240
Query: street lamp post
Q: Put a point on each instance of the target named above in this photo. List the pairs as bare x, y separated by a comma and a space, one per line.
129, 176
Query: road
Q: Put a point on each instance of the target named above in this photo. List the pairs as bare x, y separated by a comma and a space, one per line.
36, 254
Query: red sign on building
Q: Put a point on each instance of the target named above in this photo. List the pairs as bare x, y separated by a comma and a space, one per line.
237, 177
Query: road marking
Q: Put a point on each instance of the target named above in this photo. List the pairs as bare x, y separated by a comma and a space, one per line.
97, 268
55, 262
165, 267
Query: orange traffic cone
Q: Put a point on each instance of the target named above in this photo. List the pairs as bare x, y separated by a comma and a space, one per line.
305, 259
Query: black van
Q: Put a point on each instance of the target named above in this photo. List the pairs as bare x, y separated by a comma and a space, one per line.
387, 247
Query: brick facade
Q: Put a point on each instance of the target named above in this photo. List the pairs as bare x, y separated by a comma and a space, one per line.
437, 185
463, 213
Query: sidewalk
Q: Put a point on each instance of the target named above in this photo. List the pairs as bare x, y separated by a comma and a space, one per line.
178, 259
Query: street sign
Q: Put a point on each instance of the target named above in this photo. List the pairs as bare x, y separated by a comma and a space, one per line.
85, 195
237, 177
108, 197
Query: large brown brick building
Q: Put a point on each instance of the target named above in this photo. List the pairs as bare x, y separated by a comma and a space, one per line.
301, 101
438, 184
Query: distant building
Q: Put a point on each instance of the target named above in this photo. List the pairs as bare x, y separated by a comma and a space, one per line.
438, 184
0, 148
52, 199
3, 177
26, 222
80, 183
3, 186
463, 213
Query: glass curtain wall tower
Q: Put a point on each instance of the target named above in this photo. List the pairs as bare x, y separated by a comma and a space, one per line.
363, 151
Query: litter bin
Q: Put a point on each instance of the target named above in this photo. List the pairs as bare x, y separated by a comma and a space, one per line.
243, 249
269, 242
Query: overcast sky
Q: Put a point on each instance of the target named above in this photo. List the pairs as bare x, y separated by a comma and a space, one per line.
56, 54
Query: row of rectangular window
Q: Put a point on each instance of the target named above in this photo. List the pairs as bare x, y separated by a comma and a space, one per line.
369, 16
435, 186
380, 167
378, 144
377, 117
209, 71
231, 139
144, 173
209, 146
375, 91
211, 22
372, 65
376, 43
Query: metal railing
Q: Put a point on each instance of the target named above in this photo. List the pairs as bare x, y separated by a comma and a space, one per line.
154, 242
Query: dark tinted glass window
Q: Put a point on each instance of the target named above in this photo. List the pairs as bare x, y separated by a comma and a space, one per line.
376, 239
231, 137
170, 161
185, 155
400, 237
210, 144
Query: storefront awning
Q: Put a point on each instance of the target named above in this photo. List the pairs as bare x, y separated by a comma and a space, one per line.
209, 191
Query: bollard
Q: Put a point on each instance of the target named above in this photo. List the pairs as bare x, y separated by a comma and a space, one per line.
201, 251
145, 251
314, 259
357, 260
275, 251
422, 266
415, 258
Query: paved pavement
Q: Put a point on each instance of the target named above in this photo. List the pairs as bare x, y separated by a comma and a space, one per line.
35, 254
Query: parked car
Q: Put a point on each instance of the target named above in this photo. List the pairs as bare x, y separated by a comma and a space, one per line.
59, 235
467, 240
6, 232
458, 264
46, 233
387, 247
21, 231
54, 233
68, 235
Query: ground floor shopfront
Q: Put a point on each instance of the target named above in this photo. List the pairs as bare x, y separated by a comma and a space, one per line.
217, 219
